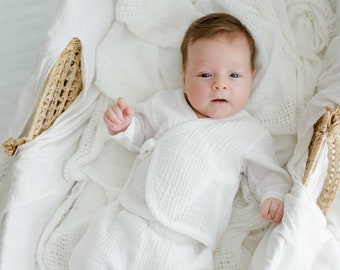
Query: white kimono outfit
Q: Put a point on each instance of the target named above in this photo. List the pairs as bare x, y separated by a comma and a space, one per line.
178, 199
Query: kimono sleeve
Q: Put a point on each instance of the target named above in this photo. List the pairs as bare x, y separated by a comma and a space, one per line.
266, 178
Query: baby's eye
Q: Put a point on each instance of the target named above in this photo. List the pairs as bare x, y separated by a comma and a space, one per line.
205, 75
234, 75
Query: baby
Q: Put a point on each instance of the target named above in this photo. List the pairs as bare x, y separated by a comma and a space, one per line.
194, 145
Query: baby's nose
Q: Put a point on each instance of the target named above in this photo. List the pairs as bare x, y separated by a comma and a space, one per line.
220, 85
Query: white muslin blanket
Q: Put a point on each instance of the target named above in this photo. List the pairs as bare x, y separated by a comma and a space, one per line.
132, 47
303, 241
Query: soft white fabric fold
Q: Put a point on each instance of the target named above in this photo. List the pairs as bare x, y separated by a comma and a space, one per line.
305, 236
133, 59
35, 185
301, 241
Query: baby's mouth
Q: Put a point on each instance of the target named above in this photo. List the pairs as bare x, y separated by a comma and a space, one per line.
219, 100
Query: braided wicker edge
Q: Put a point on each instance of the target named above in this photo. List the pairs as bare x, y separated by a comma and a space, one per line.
331, 183
62, 86
326, 129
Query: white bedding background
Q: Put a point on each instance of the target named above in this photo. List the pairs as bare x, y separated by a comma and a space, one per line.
23, 25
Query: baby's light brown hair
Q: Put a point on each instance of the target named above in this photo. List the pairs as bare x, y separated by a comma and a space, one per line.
214, 24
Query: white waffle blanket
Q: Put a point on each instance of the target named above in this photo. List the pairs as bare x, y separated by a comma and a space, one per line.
53, 186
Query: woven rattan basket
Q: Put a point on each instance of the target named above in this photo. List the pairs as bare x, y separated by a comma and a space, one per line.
62, 86
326, 130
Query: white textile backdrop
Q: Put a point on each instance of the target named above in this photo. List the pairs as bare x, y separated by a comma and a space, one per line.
23, 25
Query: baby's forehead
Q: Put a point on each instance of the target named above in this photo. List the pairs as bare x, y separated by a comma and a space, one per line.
229, 36
222, 38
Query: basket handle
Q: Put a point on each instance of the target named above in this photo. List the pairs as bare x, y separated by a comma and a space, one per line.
62, 86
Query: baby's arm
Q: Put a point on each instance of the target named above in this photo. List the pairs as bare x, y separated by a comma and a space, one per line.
118, 116
272, 209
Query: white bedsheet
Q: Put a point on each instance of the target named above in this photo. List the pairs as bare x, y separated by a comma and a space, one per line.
90, 164
23, 27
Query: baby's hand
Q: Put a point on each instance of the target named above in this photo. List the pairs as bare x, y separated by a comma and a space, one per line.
272, 209
118, 116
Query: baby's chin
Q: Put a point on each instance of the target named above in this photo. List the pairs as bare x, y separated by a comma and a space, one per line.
220, 114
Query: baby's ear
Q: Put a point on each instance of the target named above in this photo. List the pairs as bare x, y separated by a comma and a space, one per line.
183, 75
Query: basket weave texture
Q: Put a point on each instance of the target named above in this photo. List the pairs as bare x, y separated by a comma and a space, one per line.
62, 86
326, 130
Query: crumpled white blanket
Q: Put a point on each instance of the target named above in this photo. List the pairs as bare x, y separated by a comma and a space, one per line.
305, 236
302, 241
131, 55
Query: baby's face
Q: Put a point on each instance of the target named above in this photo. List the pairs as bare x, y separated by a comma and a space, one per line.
218, 76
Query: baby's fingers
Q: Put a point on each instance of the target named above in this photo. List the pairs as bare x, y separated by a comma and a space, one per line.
277, 217
127, 112
264, 210
272, 209
114, 114
111, 121
122, 103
